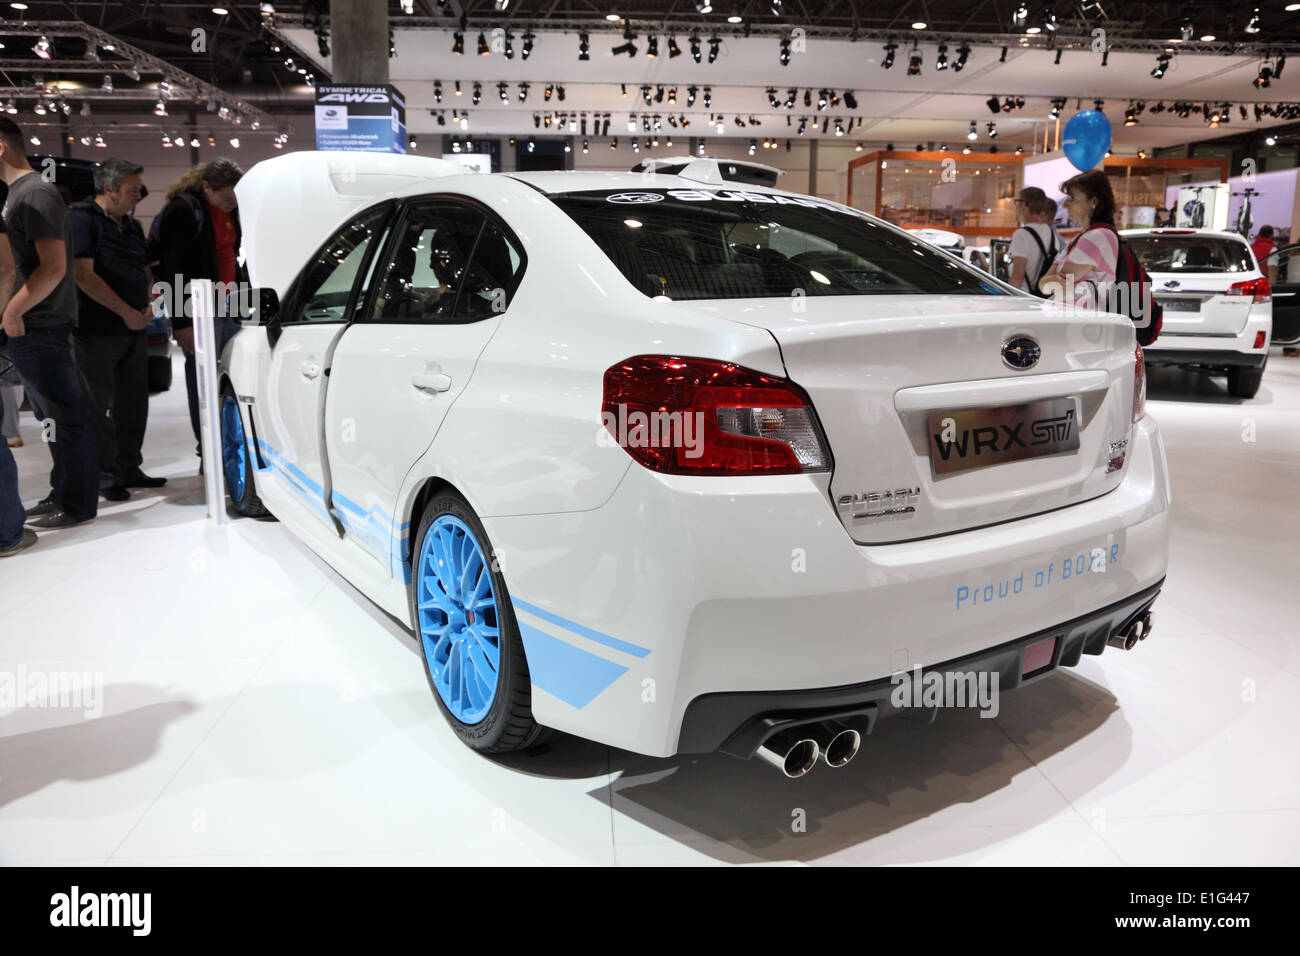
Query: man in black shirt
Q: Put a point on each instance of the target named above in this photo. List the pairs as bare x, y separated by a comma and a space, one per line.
39, 320
110, 262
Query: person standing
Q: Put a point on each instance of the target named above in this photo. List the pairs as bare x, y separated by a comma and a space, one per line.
1263, 247
1033, 244
198, 238
39, 320
1084, 273
13, 536
110, 262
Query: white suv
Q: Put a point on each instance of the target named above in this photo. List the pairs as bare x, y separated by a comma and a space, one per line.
1218, 307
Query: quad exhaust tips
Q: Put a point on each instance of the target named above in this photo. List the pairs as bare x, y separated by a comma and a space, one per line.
796, 751
1128, 637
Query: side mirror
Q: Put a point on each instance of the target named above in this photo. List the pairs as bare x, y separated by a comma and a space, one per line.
266, 311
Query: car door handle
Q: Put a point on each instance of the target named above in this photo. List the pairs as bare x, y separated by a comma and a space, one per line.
431, 383
310, 370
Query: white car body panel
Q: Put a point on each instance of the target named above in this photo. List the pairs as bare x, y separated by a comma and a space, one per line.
636, 591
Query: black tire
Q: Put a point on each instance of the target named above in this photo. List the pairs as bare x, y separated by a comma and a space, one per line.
1244, 382
508, 725
160, 373
246, 503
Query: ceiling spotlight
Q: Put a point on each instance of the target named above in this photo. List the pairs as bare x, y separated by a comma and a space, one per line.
1162, 66
1270, 140
652, 50
584, 48
523, 91
888, 61
107, 85
972, 133
478, 93
1252, 26
458, 43
708, 97
784, 55
160, 109
994, 104
483, 49
850, 100
527, 51
993, 131
627, 46
673, 49
966, 149
1263, 81
941, 61
704, 7
1049, 18
914, 63
1277, 67
1130, 116
42, 48
509, 51
963, 53
234, 142
690, 95
503, 91
1021, 16
695, 47
714, 43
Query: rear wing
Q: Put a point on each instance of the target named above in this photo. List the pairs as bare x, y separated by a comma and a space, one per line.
715, 172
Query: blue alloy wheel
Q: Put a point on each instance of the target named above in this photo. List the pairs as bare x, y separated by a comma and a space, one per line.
233, 449
458, 621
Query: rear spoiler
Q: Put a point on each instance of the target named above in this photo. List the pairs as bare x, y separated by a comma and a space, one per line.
716, 172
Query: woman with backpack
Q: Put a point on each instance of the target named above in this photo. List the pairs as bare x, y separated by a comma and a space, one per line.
1083, 274
196, 236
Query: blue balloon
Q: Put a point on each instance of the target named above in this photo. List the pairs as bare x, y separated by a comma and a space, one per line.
1087, 137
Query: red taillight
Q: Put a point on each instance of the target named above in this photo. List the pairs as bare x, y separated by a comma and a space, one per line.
694, 416
1139, 384
1258, 289
1259, 339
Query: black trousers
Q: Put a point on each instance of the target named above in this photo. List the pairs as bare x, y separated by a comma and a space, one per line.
115, 376
43, 358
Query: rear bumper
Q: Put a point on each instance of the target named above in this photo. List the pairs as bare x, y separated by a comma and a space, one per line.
736, 723
1156, 357
680, 588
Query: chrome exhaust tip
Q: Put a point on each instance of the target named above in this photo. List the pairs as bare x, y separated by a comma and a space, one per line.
1146, 625
790, 751
842, 746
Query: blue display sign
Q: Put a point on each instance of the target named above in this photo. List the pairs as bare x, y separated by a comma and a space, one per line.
358, 118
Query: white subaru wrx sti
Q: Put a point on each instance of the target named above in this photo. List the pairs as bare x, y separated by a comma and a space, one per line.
679, 462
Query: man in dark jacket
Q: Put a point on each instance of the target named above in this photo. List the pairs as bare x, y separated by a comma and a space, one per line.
110, 262
198, 238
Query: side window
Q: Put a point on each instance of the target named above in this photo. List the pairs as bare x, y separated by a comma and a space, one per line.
449, 264
429, 263
493, 275
326, 284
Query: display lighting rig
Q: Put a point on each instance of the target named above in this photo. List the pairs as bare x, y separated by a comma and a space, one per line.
628, 46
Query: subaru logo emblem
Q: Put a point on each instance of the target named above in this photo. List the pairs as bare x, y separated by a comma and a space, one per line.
1020, 352
634, 199
1172, 284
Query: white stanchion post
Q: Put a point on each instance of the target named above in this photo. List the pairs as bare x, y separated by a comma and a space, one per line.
209, 389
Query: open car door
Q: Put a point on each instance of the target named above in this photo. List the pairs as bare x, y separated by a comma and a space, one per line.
1286, 295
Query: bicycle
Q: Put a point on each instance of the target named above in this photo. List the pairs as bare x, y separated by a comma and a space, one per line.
1245, 216
1196, 208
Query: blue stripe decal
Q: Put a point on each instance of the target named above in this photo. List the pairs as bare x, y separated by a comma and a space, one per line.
564, 671
586, 632
374, 531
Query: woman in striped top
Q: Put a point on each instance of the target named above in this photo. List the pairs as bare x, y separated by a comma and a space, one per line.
1084, 273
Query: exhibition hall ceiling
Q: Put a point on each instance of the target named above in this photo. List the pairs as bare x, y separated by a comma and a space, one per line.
1174, 65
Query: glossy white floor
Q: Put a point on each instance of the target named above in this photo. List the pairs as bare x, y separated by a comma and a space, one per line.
256, 709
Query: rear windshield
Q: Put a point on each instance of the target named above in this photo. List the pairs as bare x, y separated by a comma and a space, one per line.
733, 244
1191, 253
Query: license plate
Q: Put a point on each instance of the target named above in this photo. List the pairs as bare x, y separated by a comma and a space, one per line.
979, 437
1179, 305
